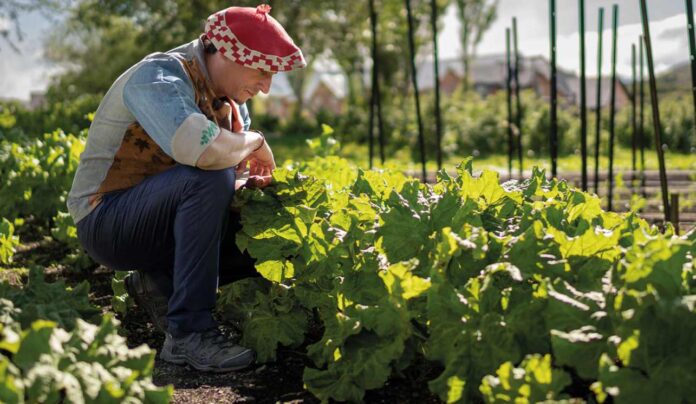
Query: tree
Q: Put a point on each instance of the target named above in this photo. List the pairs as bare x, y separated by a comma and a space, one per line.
475, 17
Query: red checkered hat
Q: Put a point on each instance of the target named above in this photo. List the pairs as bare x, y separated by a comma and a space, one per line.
252, 38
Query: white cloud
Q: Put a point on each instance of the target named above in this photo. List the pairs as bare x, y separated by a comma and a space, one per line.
669, 37
22, 74
27, 71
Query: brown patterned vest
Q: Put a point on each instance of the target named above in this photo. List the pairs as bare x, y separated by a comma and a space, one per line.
139, 156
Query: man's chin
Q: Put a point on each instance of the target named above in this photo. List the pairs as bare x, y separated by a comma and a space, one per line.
243, 97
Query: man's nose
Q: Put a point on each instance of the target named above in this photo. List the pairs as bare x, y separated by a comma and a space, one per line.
266, 84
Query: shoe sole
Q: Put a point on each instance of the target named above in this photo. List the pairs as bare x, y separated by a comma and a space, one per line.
185, 360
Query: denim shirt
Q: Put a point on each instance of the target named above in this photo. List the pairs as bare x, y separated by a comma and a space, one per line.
158, 95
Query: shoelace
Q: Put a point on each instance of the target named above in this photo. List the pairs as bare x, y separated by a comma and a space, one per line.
217, 338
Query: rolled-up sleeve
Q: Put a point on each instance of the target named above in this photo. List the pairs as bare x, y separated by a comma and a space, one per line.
160, 96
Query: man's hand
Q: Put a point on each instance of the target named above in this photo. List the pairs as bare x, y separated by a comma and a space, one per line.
258, 181
254, 182
260, 162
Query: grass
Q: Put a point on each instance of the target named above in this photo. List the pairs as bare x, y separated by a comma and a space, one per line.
295, 148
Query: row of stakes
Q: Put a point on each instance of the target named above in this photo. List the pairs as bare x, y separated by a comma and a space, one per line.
671, 208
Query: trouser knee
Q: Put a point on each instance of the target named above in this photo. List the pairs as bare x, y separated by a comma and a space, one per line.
218, 184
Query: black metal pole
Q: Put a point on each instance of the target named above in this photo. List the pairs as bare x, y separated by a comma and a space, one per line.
438, 117
692, 50
598, 105
518, 116
553, 140
508, 87
414, 79
674, 204
371, 132
583, 97
380, 121
612, 105
375, 80
634, 125
655, 110
641, 123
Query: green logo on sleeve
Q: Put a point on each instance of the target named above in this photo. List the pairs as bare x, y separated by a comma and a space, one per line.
208, 133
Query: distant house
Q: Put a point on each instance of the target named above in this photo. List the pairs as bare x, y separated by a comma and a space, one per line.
37, 99
623, 97
323, 91
280, 99
327, 90
489, 74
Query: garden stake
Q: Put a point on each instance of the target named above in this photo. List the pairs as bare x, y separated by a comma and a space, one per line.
634, 134
641, 123
598, 106
583, 97
675, 212
553, 144
414, 79
371, 124
518, 117
655, 110
438, 118
376, 93
508, 83
612, 106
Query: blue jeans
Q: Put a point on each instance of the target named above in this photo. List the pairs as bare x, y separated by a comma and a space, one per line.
172, 226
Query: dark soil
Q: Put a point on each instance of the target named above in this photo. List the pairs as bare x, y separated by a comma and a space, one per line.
279, 381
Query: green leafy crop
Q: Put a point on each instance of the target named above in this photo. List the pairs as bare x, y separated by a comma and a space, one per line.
516, 291
92, 364
49, 354
8, 241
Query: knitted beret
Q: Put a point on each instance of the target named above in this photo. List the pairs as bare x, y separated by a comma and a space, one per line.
251, 37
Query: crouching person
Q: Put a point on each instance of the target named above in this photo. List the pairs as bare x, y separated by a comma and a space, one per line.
154, 185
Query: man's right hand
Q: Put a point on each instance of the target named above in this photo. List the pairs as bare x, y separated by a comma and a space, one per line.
260, 162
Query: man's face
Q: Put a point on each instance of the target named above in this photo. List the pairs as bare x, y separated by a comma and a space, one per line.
240, 83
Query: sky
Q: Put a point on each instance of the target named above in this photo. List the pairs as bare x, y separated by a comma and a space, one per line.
667, 31
25, 72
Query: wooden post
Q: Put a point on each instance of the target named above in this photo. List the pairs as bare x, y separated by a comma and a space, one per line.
508, 87
518, 116
612, 106
438, 117
655, 110
583, 97
414, 80
598, 123
553, 139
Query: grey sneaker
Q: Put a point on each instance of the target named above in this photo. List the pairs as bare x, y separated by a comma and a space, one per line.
208, 351
148, 296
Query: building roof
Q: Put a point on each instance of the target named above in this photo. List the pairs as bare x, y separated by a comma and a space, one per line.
491, 70
591, 88
486, 70
334, 80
